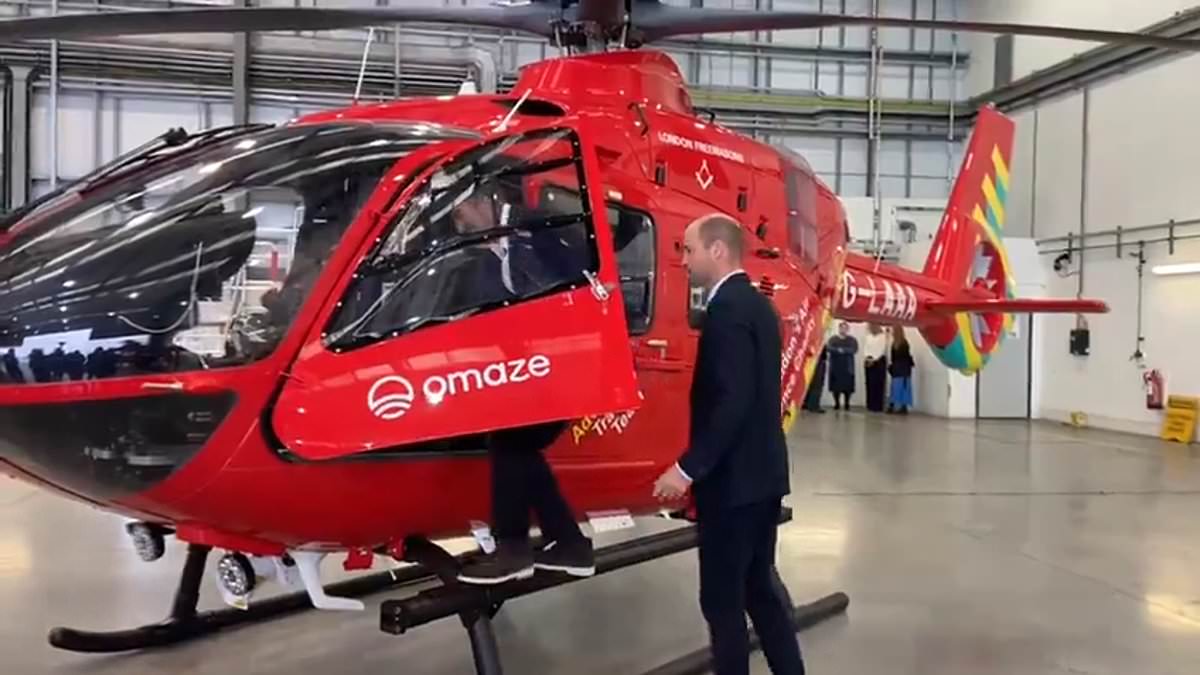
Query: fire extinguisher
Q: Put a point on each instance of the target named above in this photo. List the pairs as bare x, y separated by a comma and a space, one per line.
1153, 381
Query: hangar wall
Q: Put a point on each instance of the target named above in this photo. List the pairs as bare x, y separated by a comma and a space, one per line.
1031, 53
1120, 153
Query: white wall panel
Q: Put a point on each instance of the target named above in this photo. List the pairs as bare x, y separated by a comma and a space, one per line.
220, 114
144, 118
929, 158
528, 52
828, 81
930, 188
893, 82
75, 119
821, 153
857, 37
271, 114
922, 84
853, 186
855, 82
893, 155
124, 124
893, 186
799, 75
729, 71
1059, 168
1019, 209
1143, 154
944, 88
806, 38
110, 128
854, 155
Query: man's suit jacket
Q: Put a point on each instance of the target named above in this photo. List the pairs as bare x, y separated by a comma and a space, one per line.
737, 453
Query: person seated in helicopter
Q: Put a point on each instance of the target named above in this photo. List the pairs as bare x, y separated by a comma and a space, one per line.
516, 265
521, 477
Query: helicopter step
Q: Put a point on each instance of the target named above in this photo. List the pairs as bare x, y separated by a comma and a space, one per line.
477, 605
186, 623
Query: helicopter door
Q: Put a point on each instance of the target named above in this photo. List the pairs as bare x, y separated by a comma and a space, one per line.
475, 308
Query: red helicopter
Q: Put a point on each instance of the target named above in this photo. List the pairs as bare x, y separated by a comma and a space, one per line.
169, 358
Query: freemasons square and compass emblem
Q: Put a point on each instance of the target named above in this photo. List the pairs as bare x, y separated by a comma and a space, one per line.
704, 176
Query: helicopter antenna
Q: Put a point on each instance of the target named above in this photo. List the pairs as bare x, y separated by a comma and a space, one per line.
504, 123
362, 68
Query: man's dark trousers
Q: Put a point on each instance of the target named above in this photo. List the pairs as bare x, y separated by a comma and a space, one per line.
738, 577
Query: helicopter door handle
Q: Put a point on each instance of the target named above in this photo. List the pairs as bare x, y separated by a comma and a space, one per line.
600, 290
172, 386
657, 343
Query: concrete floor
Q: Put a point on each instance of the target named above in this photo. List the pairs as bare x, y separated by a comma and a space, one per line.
995, 547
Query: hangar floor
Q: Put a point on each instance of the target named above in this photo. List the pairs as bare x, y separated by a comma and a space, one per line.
995, 547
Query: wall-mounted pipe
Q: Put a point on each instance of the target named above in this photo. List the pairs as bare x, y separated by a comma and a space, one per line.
53, 105
1083, 183
1075, 236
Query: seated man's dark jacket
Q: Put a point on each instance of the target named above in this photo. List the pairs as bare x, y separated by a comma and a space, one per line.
737, 453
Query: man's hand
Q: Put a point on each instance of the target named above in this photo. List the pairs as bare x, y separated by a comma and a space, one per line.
671, 484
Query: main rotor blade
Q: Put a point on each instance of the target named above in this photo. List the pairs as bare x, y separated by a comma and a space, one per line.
532, 18
657, 21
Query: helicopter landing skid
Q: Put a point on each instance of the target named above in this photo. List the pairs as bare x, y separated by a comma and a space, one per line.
185, 623
477, 605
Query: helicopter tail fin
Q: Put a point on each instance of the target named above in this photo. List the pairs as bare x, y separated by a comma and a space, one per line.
974, 215
968, 255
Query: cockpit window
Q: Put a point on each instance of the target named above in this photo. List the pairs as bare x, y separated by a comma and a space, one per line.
199, 259
633, 243
474, 237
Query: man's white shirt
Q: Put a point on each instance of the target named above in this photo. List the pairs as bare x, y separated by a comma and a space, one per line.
717, 286
875, 347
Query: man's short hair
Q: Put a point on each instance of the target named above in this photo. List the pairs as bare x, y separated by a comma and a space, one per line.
724, 229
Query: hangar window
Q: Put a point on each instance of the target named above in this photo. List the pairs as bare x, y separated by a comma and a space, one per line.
800, 189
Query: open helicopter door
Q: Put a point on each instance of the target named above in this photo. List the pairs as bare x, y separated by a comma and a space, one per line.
472, 309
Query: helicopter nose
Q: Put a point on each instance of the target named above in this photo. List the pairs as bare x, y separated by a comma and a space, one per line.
106, 449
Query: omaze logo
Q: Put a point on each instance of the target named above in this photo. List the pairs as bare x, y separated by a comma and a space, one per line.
392, 396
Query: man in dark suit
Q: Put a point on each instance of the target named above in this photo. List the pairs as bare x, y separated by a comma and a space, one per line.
736, 462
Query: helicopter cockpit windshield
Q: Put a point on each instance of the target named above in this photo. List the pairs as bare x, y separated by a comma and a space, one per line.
198, 259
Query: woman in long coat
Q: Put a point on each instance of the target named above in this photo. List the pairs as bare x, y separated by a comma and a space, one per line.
842, 348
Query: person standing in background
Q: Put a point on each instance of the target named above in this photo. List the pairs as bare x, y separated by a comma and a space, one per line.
842, 348
900, 368
812, 398
875, 366
12, 366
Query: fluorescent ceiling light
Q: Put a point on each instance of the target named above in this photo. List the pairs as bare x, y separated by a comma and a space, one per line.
1181, 268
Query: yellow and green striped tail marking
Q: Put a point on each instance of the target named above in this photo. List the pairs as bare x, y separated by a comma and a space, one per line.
962, 353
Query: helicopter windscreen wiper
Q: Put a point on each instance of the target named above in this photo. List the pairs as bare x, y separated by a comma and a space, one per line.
164, 145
